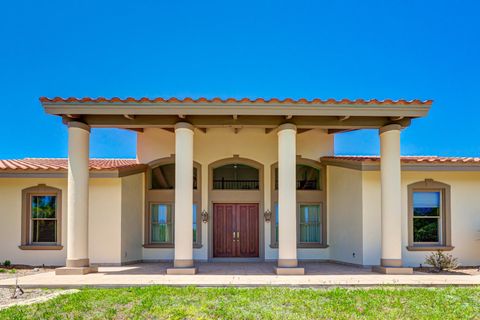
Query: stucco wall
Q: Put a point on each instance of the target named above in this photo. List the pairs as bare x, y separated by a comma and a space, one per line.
345, 214
104, 224
371, 221
132, 217
465, 215
10, 223
104, 221
221, 143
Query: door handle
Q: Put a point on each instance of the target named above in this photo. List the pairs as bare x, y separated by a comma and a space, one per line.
236, 236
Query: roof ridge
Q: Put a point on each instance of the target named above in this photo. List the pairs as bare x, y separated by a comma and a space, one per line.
227, 100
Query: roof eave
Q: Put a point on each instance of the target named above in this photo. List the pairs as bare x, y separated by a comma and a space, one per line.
296, 109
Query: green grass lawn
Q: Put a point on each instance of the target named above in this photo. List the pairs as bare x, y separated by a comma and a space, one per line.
261, 303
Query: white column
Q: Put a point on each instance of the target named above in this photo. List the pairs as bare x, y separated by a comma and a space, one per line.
183, 195
391, 196
287, 196
77, 210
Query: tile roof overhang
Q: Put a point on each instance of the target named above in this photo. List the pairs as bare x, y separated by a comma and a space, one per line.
59, 166
268, 113
408, 163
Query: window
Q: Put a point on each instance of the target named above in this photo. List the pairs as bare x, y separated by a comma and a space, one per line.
195, 214
163, 177
162, 225
311, 204
308, 178
310, 225
426, 217
429, 216
41, 218
236, 177
160, 205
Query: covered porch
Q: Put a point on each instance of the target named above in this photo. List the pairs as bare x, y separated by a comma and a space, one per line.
185, 119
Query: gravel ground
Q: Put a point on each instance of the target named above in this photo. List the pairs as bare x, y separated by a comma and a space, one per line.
20, 271
6, 294
472, 271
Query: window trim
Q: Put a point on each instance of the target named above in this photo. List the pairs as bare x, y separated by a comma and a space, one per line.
429, 185
160, 244
322, 221
26, 223
221, 165
304, 197
167, 196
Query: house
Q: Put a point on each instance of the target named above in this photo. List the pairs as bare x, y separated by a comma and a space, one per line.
238, 180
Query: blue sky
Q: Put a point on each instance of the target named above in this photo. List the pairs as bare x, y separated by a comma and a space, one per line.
328, 49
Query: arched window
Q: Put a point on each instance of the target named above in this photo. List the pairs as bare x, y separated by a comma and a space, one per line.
311, 199
308, 178
160, 202
163, 177
235, 177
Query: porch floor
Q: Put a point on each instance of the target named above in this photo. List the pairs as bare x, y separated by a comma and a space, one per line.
318, 274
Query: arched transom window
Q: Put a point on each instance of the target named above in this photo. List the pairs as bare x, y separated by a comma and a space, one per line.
163, 177
236, 177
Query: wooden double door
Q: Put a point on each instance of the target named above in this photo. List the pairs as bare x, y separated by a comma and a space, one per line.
235, 230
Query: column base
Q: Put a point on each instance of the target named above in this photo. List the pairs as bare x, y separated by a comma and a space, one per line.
75, 271
392, 270
182, 271
291, 271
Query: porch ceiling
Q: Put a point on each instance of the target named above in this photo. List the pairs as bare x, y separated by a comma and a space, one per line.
336, 115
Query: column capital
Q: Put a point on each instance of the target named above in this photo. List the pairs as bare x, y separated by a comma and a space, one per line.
183, 125
78, 124
287, 126
389, 127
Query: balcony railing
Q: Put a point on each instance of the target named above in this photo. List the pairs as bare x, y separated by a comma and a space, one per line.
225, 184
303, 185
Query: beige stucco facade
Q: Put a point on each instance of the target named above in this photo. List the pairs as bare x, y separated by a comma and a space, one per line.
361, 208
114, 221
116, 218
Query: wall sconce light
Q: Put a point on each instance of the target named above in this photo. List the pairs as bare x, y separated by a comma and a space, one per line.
268, 215
204, 216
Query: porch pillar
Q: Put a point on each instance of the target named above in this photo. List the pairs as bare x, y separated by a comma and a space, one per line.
77, 210
287, 201
391, 201
183, 235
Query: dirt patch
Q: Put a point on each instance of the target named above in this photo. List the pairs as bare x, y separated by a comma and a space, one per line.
29, 296
472, 271
21, 271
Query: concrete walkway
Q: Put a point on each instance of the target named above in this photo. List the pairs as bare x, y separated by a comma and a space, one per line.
238, 274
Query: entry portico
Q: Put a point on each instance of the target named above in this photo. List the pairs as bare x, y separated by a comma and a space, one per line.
191, 129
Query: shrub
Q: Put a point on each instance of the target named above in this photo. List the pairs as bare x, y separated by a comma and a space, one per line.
441, 261
7, 263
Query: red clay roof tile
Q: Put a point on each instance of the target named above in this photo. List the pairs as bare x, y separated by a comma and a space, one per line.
408, 159
234, 100
59, 164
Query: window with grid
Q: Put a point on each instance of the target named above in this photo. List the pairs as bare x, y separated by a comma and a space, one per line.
310, 223
427, 217
43, 215
162, 224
